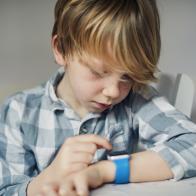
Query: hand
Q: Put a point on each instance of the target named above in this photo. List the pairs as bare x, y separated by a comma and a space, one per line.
76, 184
76, 154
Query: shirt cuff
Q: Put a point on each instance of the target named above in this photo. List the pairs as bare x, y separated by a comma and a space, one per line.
173, 160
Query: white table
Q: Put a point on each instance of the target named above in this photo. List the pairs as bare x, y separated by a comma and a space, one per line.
186, 187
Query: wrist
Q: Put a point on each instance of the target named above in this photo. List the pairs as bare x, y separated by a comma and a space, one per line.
106, 170
36, 184
122, 168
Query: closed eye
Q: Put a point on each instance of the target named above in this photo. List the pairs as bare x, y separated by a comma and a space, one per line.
95, 73
126, 78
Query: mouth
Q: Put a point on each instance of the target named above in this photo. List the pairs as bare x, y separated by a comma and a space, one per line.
102, 106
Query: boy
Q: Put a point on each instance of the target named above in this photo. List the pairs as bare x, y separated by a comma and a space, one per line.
99, 103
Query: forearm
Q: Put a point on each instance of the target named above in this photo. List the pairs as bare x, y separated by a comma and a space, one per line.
149, 166
145, 166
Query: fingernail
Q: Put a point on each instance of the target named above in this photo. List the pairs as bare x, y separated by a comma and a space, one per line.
62, 191
45, 187
82, 193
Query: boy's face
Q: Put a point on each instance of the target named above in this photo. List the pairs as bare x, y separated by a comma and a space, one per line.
89, 85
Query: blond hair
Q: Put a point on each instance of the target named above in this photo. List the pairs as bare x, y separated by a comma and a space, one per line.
131, 28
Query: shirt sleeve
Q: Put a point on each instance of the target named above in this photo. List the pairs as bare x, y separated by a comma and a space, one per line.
16, 160
167, 131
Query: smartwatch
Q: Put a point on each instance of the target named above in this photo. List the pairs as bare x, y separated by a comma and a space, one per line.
122, 167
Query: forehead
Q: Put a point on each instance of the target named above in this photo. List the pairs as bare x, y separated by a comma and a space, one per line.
92, 61
104, 63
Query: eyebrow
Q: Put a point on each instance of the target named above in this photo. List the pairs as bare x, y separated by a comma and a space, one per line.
84, 62
100, 68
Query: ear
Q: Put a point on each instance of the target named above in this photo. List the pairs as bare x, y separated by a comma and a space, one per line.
57, 54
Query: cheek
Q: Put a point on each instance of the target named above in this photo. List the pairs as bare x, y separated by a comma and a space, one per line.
86, 89
124, 90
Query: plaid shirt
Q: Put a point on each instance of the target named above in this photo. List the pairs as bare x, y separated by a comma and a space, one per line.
35, 123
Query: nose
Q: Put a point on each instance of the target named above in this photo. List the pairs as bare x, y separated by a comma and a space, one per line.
112, 90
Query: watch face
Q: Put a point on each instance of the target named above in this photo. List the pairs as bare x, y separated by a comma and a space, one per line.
117, 155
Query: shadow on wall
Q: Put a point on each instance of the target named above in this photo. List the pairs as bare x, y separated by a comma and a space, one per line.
165, 86
193, 114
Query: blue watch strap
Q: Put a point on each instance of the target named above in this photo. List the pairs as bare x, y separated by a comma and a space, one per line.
122, 170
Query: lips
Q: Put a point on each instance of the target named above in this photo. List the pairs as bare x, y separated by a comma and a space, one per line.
102, 106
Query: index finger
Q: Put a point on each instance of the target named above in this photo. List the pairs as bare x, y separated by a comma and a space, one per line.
99, 141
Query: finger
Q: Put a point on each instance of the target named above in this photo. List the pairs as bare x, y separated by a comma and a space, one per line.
49, 190
82, 157
77, 167
67, 193
84, 147
98, 140
73, 188
81, 187
67, 189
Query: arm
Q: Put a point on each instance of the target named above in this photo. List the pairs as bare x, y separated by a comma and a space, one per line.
18, 173
168, 132
15, 172
75, 155
18, 165
144, 167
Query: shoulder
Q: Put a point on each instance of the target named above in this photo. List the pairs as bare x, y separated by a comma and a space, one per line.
20, 101
136, 100
148, 102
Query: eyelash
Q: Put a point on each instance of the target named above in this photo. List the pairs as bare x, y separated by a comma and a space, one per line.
96, 74
124, 78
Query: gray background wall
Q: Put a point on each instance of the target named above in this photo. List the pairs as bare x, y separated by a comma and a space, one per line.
26, 58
